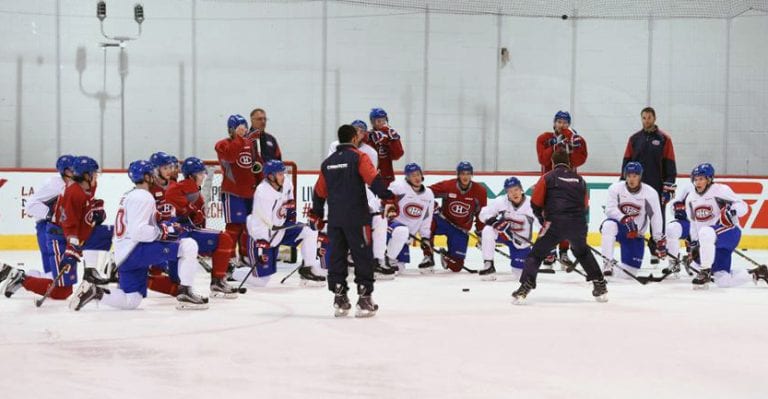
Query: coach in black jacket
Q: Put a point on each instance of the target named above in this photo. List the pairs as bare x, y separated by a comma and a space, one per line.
343, 177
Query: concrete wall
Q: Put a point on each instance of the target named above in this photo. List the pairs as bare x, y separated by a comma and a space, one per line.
199, 61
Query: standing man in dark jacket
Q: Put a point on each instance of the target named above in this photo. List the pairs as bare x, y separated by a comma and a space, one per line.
653, 148
342, 181
559, 202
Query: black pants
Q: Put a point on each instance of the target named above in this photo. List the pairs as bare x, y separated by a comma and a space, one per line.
575, 231
356, 240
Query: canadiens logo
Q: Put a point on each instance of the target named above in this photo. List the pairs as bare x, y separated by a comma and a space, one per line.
459, 209
244, 160
413, 210
629, 209
703, 213
516, 224
656, 142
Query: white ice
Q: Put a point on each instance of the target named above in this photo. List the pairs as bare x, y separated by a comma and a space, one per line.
429, 340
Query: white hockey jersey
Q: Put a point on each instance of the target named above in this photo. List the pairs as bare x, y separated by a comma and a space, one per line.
520, 218
643, 205
269, 210
704, 209
416, 208
374, 204
40, 204
135, 222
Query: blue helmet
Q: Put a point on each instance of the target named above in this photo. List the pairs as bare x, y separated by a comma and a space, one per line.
512, 182
564, 115
161, 158
273, 166
64, 162
378, 113
633, 168
236, 120
360, 124
192, 166
464, 166
137, 170
704, 169
83, 165
412, 167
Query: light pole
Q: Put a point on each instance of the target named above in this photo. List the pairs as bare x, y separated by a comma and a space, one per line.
120, 42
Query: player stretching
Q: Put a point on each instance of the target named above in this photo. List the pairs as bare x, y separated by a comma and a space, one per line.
140, 242
462, 201
188, 204
387, 143
76, 227
508, 220
632, 206
415, 202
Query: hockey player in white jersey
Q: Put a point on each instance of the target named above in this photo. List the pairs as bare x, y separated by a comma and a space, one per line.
268, 230
714, 212
678, 229
416, 205
378, 222
139, 243
631, 207
507, 218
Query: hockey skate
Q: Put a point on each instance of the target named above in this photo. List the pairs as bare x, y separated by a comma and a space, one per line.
566, 263
384, 270
427, 265
187, 299
341, 304
608, 267
220, 288
366, 307
702, 280
654, 260
309, 278
550, 260
86, 292
673, 268
489, 271
521, 293
600, 290
15, 281
758, 273
5, 271
111, 272
92, 276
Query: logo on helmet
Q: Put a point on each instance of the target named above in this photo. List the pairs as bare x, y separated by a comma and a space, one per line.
703, 213
629, 209
459, 209
413, 210
245, 160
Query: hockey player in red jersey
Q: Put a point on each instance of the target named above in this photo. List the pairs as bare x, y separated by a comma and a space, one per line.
188, 204
242, 172
387, 143
165, 175
561, 139
77, 226
462, 201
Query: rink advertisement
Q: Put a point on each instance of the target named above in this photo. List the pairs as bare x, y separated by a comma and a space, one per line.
17, 228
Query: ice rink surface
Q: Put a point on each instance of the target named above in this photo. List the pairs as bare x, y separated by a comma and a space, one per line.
429, 339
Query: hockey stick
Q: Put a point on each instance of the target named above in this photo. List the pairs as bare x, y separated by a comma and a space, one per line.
204, 264
545, 271
441, 251
750, 260
640, 279
258, 214
39, 301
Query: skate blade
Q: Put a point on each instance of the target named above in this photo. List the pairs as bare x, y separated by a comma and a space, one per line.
311, 283
701, 287
488, 277
191, 306
362, 313
339, 312
225, 295
427, 270
602, 298
384, 277
519, 300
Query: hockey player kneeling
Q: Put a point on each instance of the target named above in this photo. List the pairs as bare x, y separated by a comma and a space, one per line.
268, 229
508, 220
714, 212
416, 203
139, 243
632, 206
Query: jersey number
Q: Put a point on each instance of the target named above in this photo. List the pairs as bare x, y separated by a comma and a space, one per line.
120, 223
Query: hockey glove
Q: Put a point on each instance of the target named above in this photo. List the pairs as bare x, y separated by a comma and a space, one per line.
679, 208
315, 221
390, 208
661, 247
72, 255
379, 138
290, 210
667, 193
95, 215
728, 216
197, 217
262, 251
170, 231
629, 223
322, 244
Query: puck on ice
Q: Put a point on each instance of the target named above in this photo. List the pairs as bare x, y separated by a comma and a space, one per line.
465, 289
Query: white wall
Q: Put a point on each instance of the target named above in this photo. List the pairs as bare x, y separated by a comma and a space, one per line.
199, 61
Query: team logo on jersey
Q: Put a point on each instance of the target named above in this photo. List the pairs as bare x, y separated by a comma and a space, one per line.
459, 209
656, 142
629, 209
413, 210
516, 224
703, 213
244, 159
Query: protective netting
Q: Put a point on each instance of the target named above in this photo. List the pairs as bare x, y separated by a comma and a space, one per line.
608, 9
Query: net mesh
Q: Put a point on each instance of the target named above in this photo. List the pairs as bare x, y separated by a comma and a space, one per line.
609, 9
211, 190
